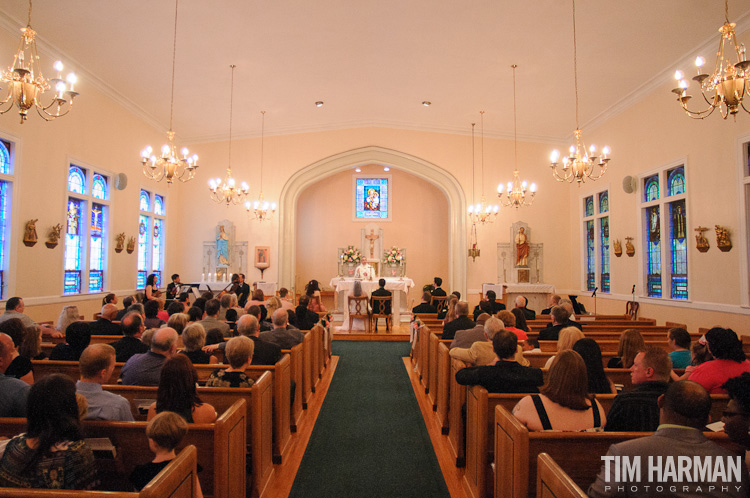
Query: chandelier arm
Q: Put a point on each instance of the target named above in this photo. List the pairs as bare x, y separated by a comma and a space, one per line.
699, 114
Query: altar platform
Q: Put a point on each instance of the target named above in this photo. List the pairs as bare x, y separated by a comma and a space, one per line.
399, 286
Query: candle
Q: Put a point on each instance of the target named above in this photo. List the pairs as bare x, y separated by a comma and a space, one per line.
203, 277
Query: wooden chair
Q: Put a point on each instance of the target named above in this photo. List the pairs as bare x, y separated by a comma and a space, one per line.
438, 302
359, 310
631, 309
379, 306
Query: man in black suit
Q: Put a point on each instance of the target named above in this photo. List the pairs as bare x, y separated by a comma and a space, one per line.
554, 300
104, 325
380, 291
306, 319
174, 287
243, 291
560, 320
489, 306
424, 306
521, 303
265, 353
127, 302
132, 328
462, 321
507, 375
438, 291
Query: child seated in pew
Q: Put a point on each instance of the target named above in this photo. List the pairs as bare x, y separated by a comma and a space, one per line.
239, 354
164, 432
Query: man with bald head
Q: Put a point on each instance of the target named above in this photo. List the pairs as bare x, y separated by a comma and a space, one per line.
265, 353
521, 303
280, 335
97, 363
13, 392
462, 321
684, 411
104, 325
144, 369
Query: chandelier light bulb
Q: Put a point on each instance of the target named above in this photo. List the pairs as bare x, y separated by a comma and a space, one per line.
58, 67
471, 208
554, 156
678, 75
500, 188
700, 61
165, 149
532, 188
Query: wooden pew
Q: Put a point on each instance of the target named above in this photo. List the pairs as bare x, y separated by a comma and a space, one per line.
578, 453
296, 366
553, 482
443, 386
605, 346
221, 447
457, 398
538, 360
259, 419
177, 480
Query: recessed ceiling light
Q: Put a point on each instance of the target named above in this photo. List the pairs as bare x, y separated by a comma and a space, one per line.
319, 103
358, 170
386, 168
426, 103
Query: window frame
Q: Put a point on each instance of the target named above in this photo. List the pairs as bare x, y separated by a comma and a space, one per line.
152, 217
743, 186
596, 218
7, 287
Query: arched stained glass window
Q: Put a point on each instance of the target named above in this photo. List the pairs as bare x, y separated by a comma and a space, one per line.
158, 204
676, 181
145, 201
604, 202
589, 206
76, 180
651, 188
604, 252
590, 256
5, 158
99, 187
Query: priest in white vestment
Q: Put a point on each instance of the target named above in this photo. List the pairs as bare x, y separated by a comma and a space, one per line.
364, 271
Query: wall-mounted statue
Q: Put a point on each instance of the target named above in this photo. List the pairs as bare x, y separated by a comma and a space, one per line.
618, 248
53, 236
629, 247
722, 239
119, 242
701, 242
29, 235
131, 245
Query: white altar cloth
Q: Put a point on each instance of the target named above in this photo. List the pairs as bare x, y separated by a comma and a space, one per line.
398, 286
536, 294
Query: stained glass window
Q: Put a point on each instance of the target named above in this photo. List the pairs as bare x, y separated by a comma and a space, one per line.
145, 201
158, 205
604, 202
589, 206
5, 165
590, 256
157, 245
678, 240
604, 252
5, 188
653, 251
76, 180
99, 187
96, 256
651, 188
676, 181
73, 250
143, 238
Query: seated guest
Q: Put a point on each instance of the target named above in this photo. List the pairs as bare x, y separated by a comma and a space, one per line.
52, 453
698, 354
520, 319
564, 402
465, 338
481, 352
256, 312
13, 391
178, 322
637, 410
162, 314
97, 364
68, 315
592, 357
522, 303
104, 325
194, 338
631, 342
31, 346
175, 307
126, 303
382, 292
559, 321
164, 433
130, 344
286, 303
239, 355
462, 321
425, 306
489, 305
438, 291
553, 301
177, 393
200, 303
568, 336
77, 337
684, 411
145, 369
280, 335
14, 308
272, 304
195, 314
20, 366
264, 353
173, 288
507, 375
729, 361
312, 291
568, 305
306, 319
736, 417
259, 301
151, 309
138, 308
509, 321
450, 310
679, 342
212, 322
109, 299
226, 302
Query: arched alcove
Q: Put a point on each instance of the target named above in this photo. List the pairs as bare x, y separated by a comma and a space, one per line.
447, 183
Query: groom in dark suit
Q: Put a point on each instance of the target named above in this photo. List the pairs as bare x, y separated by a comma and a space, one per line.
380, 291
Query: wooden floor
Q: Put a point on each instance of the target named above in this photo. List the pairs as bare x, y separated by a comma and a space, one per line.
284, 474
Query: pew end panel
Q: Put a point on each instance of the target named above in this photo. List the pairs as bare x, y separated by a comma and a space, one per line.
553, 482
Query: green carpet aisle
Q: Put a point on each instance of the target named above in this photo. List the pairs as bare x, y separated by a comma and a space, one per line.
370, 439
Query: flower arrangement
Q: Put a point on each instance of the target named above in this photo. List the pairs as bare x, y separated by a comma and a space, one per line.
326, 320
393, 256
351, 255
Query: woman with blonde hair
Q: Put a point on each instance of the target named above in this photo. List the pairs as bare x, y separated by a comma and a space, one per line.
451, 315
565, 341
631, 343
68, 315
564, 403
194, 338
272, 304
31, 346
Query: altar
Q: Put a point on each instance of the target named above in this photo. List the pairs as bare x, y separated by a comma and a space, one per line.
399, 286
536, 294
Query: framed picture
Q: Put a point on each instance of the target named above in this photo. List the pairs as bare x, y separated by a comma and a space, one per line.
372, 195
262, 256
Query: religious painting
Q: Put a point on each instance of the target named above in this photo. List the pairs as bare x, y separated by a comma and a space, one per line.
371, 198
262, 256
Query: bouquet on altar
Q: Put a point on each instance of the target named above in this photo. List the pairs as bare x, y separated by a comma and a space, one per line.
351, 255
393, 256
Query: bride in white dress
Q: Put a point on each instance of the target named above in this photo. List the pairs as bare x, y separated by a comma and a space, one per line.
357, 323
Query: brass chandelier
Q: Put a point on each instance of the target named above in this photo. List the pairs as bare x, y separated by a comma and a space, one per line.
515, 194
581, 164
261, 210
480, 212
26, 83
727, 86
169, 164
226, 191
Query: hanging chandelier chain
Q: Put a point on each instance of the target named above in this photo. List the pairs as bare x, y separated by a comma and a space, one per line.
482, 176
28, 23
575, 62
726, 11
515, 126
174, 59
473, 166
262, 141
231, 108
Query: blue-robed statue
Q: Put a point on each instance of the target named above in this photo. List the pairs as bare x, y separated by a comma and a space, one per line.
222, 247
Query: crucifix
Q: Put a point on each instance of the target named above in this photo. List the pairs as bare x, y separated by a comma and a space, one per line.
372, 238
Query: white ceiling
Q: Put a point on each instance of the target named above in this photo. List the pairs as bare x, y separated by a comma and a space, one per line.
373, 62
